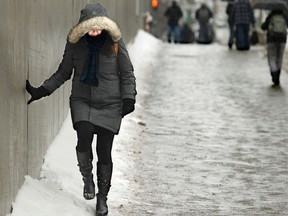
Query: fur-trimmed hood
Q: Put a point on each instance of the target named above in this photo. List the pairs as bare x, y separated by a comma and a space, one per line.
94, 16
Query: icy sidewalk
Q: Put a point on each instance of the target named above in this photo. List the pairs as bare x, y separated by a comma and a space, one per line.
215, 143
59, 191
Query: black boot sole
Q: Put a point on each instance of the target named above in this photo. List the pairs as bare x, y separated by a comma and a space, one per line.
101, 214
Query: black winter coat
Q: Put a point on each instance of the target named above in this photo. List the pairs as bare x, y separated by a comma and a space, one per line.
99, 105
173, 13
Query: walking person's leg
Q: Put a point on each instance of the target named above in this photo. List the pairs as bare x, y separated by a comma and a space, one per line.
272, 61
281, 50
239, 36
177, 36
231, 36
104, 168
280, 54
247, 38
206, 33
169, 33
242, 37
85, 133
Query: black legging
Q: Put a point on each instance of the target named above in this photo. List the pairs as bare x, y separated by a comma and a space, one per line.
85, 133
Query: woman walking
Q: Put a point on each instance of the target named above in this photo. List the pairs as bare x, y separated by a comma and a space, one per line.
276, 25
103, 92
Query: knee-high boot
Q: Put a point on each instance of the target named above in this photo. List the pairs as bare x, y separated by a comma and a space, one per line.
104, 174
85, 166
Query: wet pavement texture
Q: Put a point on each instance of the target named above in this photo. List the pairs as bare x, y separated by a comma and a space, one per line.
216, 136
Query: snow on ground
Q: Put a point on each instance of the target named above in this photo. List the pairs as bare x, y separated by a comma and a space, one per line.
59, 190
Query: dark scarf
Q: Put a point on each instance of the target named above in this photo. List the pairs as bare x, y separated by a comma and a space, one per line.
90, 75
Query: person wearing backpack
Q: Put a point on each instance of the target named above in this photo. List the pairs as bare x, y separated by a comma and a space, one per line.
276, 25
203, 15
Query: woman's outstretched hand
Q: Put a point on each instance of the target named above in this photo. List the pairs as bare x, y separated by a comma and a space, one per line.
36, 93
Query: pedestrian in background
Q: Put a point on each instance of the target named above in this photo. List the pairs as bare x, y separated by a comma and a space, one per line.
203, 15
186, 33
174, 14
103, 92
276, 25
229, 10
242, 16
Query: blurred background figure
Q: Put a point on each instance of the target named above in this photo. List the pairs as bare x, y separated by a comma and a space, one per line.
147, 21
229, 9
276, 25
203, 16
174, 14
242, 16
186, 34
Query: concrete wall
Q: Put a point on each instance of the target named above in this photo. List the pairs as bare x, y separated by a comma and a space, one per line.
32, 40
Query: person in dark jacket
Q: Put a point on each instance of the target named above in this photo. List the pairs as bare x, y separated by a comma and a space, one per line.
203, 15
103, 92
276, 42
174, 14
242, 16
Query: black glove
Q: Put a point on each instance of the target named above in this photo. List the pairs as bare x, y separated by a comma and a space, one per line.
128, 106
36, 93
